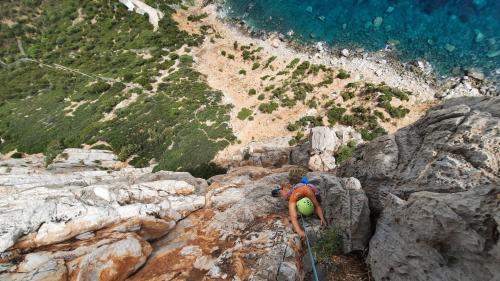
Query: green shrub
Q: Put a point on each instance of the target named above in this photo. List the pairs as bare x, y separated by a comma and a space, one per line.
329, 244
347, 95
343, 74
255, 65
53, 148
261, 97
335, 114
345, 152
269, 61
312, 103
252, 92
242, 72
223, 53
230, 56
244, 113
196, 18
268, 107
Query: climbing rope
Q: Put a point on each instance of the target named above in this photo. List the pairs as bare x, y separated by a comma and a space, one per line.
311, 257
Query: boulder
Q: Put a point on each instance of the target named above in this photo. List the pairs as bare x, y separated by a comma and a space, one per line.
273, 152
453, 148
346, 207
435, 236
322, 162
323, 140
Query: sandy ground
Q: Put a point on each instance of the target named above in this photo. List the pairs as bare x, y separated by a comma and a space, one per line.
223, 74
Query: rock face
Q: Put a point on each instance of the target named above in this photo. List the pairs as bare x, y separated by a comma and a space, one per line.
436, 187
436, 236
455, 147
346, 207
246, 235
81, 220
109, 214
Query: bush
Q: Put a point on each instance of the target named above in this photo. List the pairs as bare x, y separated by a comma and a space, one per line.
329, 244
343, 74
345, 152
346, 95
53, 148
230, 56
335, 114
255, 65
261, 97
268, 107
244, 113
242, 72
223, 53
252, 92
196, 18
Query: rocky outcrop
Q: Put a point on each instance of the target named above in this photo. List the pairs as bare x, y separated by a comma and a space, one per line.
82, 220
436, 186
437, 236
246, 235
346, 208
318, 153
87, 224
452, 149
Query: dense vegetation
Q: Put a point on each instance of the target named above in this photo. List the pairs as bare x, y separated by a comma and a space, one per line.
84, 58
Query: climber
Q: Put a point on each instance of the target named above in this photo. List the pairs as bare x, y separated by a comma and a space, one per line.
300, 195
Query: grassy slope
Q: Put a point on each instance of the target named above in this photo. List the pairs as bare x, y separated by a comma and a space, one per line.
170, 125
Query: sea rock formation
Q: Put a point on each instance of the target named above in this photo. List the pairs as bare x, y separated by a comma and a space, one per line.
453, 148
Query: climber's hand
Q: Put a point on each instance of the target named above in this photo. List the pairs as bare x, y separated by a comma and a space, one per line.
323, 223
302, 235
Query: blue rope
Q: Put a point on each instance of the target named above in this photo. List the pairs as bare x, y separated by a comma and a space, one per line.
313, 263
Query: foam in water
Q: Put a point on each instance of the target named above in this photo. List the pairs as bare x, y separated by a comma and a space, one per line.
452, 35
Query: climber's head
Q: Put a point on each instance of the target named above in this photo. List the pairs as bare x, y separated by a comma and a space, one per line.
281, 191
305, 206
296, 175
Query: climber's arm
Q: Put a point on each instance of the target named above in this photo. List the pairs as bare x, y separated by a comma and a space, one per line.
317, 208
292, 210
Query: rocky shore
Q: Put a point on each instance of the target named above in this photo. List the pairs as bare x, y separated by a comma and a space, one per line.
463, 82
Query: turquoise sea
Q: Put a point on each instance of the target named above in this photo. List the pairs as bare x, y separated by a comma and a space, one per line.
453, 35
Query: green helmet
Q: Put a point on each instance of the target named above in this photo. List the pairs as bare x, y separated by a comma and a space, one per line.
305, 206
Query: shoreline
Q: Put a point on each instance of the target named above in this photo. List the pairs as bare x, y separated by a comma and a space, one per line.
223, 74
419, 70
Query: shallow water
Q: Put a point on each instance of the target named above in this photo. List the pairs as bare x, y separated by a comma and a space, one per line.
452, 35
